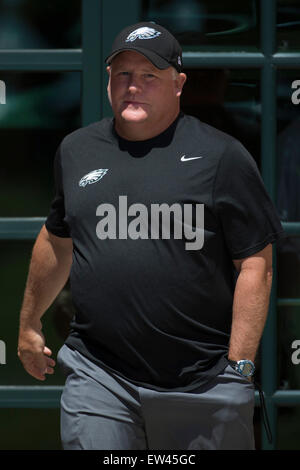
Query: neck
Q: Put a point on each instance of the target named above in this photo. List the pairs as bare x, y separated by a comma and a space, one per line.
138, 131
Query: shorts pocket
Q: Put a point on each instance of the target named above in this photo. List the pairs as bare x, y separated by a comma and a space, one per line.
62, 361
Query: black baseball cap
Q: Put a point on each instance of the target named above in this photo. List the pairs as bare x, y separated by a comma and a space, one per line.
155, 42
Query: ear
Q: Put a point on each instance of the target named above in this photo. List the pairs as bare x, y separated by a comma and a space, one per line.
108, 69
180, 81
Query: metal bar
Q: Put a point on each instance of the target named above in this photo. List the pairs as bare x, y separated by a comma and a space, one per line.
287, 59
286, 397
288, 302
268, 27
268, 128
12, 227
30, 396
40, 59
291, 228
71, 59
92, 61
49, 397
223, 59
20, 228
268, 151
253, 59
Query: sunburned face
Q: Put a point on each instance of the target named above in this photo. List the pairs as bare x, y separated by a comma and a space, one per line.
142, 94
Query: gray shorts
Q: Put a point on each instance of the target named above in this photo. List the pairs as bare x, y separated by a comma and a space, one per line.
102, 411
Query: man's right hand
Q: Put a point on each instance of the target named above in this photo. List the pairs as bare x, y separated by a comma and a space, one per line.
48, 273
33, 353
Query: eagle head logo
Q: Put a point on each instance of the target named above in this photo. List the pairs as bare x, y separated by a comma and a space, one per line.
92, 177
142, 33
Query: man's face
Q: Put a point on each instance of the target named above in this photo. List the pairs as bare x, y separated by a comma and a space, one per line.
139, 92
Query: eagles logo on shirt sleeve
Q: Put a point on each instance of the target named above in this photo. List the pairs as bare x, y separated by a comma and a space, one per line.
92, 177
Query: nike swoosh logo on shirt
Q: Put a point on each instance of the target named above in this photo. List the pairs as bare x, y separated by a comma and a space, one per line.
184, 159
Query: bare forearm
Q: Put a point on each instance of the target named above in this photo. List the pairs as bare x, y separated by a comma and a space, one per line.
250, 308
48, 272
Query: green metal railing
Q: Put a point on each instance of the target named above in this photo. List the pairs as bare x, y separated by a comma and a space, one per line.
99, 26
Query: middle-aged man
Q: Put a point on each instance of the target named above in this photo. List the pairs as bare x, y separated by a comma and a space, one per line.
166, 230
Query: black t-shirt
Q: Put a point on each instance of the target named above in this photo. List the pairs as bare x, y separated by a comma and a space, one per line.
154, 305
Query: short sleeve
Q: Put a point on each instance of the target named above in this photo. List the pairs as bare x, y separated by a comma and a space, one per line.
248, 218
55, 221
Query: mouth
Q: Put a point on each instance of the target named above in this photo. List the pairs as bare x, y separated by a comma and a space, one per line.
133, 103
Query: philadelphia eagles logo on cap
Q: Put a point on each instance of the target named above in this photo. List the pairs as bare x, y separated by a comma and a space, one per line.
142, 33
163, 49
92, 177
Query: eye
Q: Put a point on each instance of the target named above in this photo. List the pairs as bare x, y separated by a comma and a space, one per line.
149, 75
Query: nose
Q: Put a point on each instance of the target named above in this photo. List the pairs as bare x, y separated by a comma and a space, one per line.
134, 85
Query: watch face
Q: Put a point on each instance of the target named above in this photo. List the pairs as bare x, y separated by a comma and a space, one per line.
245, 368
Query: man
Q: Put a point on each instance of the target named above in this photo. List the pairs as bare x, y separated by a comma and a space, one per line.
166, 230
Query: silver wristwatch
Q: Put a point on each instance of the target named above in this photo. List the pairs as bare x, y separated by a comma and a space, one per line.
245, 367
